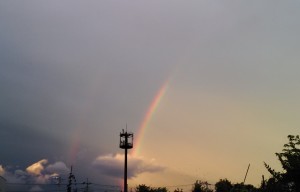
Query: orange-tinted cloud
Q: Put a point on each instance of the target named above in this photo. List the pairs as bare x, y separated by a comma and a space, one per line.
37, 168
2, 171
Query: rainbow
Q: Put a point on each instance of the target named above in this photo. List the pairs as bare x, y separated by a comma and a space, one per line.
147, 118
76, 141
74, 147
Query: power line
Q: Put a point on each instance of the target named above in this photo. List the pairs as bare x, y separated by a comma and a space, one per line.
184, 185
34, 184
56, 184
116, 186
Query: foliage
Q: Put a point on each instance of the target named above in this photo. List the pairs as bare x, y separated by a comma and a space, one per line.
241, 187
178, 190
200, 186
159, 189
290, 160
272, 185
145, 188
223, 186
142, 188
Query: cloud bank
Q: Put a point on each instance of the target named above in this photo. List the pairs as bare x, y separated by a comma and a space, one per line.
113, 165
40, 172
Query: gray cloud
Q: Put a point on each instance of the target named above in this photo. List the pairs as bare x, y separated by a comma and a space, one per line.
58, 167
31, 143
113, 165
39, 172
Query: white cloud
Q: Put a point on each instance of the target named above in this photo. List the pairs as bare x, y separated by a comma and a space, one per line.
2, 171
37, 168
42, 173
113, 165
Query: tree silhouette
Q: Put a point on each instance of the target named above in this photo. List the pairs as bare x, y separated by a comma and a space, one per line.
223, 186
200, 186
271, 185
159, 189
290, 161
145, 188
241, 187
142, 188
178, 190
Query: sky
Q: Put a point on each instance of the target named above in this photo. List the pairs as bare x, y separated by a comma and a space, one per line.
207, 87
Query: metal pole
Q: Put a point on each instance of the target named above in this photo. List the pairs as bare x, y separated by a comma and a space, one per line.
125, 172
126, 144
246, 173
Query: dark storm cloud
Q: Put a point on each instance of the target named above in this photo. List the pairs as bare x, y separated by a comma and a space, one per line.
72, 70
65, 65
21, 144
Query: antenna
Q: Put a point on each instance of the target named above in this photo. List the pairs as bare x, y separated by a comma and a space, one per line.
246, 173
87, 185
126, 142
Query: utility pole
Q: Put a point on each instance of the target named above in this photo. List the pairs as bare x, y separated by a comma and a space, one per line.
87, 185
71, 178
58, 181
126, 142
